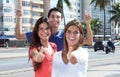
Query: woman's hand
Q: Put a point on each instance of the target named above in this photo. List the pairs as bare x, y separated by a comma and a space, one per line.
87, 18
73, 59
37, 55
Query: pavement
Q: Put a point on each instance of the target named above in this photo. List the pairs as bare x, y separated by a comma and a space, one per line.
5, 54
105, 70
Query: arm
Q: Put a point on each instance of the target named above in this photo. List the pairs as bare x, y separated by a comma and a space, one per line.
18, 29
88, 39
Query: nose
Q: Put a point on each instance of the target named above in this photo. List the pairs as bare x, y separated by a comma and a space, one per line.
55, 18
72, 34
45, 30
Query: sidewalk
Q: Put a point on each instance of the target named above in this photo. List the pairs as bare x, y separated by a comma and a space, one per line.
9, 54
112, 70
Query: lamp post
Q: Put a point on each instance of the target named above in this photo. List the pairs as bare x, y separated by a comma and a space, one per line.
105, 35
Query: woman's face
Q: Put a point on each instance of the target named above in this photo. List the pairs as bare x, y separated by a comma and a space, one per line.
44, 31
72, 35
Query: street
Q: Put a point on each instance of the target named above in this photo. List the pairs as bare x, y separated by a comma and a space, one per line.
8, 65
14, 63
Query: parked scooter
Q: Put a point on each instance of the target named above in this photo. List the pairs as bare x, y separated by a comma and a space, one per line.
110, 47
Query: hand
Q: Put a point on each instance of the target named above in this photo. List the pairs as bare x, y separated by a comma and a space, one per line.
19, 12
87, 17
40, 57
69, 52
46, 50
73, 59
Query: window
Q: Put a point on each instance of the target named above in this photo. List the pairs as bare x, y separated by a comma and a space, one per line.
33, 21
8, 28
35, 14
35, 6
7, 9
8, 18
25, 3
25, 20
1, 19
7, 1
26, 12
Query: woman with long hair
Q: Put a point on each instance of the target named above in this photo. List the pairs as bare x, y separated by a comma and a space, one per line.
73, 60
41, 51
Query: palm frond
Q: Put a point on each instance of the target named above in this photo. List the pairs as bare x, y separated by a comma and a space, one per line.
68, 3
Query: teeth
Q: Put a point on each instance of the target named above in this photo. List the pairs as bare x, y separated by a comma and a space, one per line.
71, 39
45, 35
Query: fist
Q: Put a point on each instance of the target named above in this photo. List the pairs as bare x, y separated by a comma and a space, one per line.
73, 59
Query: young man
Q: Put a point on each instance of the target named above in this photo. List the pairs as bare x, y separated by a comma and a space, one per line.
57, 36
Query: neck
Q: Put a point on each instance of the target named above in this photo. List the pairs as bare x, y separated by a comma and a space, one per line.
71, 48
45, 43
54, 31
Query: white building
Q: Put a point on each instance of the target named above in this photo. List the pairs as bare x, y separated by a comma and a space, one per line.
32, 10
7, 17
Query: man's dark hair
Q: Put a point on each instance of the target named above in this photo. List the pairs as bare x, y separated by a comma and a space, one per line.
55, 9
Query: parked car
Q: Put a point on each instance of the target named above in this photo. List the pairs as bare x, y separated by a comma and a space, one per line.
98, 46
3, 42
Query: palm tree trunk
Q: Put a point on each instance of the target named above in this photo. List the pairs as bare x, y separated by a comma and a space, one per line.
64, 19
104, 23
63, 13
46, 7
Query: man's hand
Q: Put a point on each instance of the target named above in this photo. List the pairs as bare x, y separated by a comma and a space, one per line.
19, 12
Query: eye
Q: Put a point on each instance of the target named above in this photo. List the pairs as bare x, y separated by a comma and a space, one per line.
52, 16
47, 28
76, 32
69, 32
40, 28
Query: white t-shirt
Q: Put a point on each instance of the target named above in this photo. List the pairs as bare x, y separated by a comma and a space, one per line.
59, 69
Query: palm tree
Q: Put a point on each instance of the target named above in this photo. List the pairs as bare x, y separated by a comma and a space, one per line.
115, 11
95, 25
101, 4
60, 6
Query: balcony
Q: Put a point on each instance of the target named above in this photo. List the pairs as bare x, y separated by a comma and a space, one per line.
37, 9
37, 1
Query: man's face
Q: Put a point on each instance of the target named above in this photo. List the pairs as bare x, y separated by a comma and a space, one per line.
55, 19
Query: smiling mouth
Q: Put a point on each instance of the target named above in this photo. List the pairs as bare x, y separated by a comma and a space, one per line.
71, 39
45, 35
